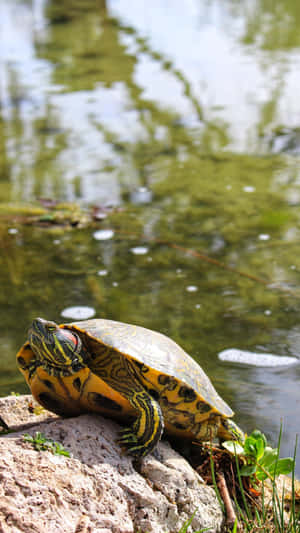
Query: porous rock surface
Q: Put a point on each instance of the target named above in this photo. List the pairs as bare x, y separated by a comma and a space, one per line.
98, 489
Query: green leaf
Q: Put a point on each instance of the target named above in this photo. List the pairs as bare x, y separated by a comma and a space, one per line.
285, 466
278, 466
256, 434
248, 470
261, 475
233, 447
58, 449
282, 466
255, 444
269, 457
249, 447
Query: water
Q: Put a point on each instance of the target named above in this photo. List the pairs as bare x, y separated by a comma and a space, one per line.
173, 130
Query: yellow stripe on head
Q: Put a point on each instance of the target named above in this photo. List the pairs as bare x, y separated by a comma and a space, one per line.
55, 346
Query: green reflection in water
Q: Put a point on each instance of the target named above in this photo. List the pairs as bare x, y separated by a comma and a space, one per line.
203, 306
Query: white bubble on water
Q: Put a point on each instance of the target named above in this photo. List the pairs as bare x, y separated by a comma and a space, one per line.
191, 288
102, 272
140, 250
234, 355
264, 237
78, 312
103, 234
142, 195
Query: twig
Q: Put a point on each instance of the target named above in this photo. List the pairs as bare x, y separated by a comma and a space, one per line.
230, 513
217, 263
199, 255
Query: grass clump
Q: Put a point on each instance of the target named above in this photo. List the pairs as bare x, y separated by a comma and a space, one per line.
265, 498
41, 443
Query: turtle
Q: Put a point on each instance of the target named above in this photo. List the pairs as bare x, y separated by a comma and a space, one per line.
126, 372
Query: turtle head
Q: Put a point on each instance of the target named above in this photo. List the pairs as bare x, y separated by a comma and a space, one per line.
59, 349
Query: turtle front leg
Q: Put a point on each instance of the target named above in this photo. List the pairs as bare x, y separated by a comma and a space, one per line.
124, 376
146, 431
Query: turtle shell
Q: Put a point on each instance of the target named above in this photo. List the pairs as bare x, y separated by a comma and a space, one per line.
162, 362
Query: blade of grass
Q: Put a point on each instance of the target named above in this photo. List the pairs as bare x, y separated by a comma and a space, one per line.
212, 469
293, 509
263, 508
188, 522
242, 488
282, 511
234, 529
275, 496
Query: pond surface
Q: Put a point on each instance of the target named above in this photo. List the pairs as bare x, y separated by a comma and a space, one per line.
174, 130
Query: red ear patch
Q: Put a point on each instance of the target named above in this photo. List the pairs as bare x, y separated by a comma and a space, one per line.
73, 338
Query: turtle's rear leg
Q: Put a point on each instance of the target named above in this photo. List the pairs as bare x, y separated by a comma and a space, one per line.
228, 430
217, 426
207, 429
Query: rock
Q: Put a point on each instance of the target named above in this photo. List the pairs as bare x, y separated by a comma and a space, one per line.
98, 489
22, 411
